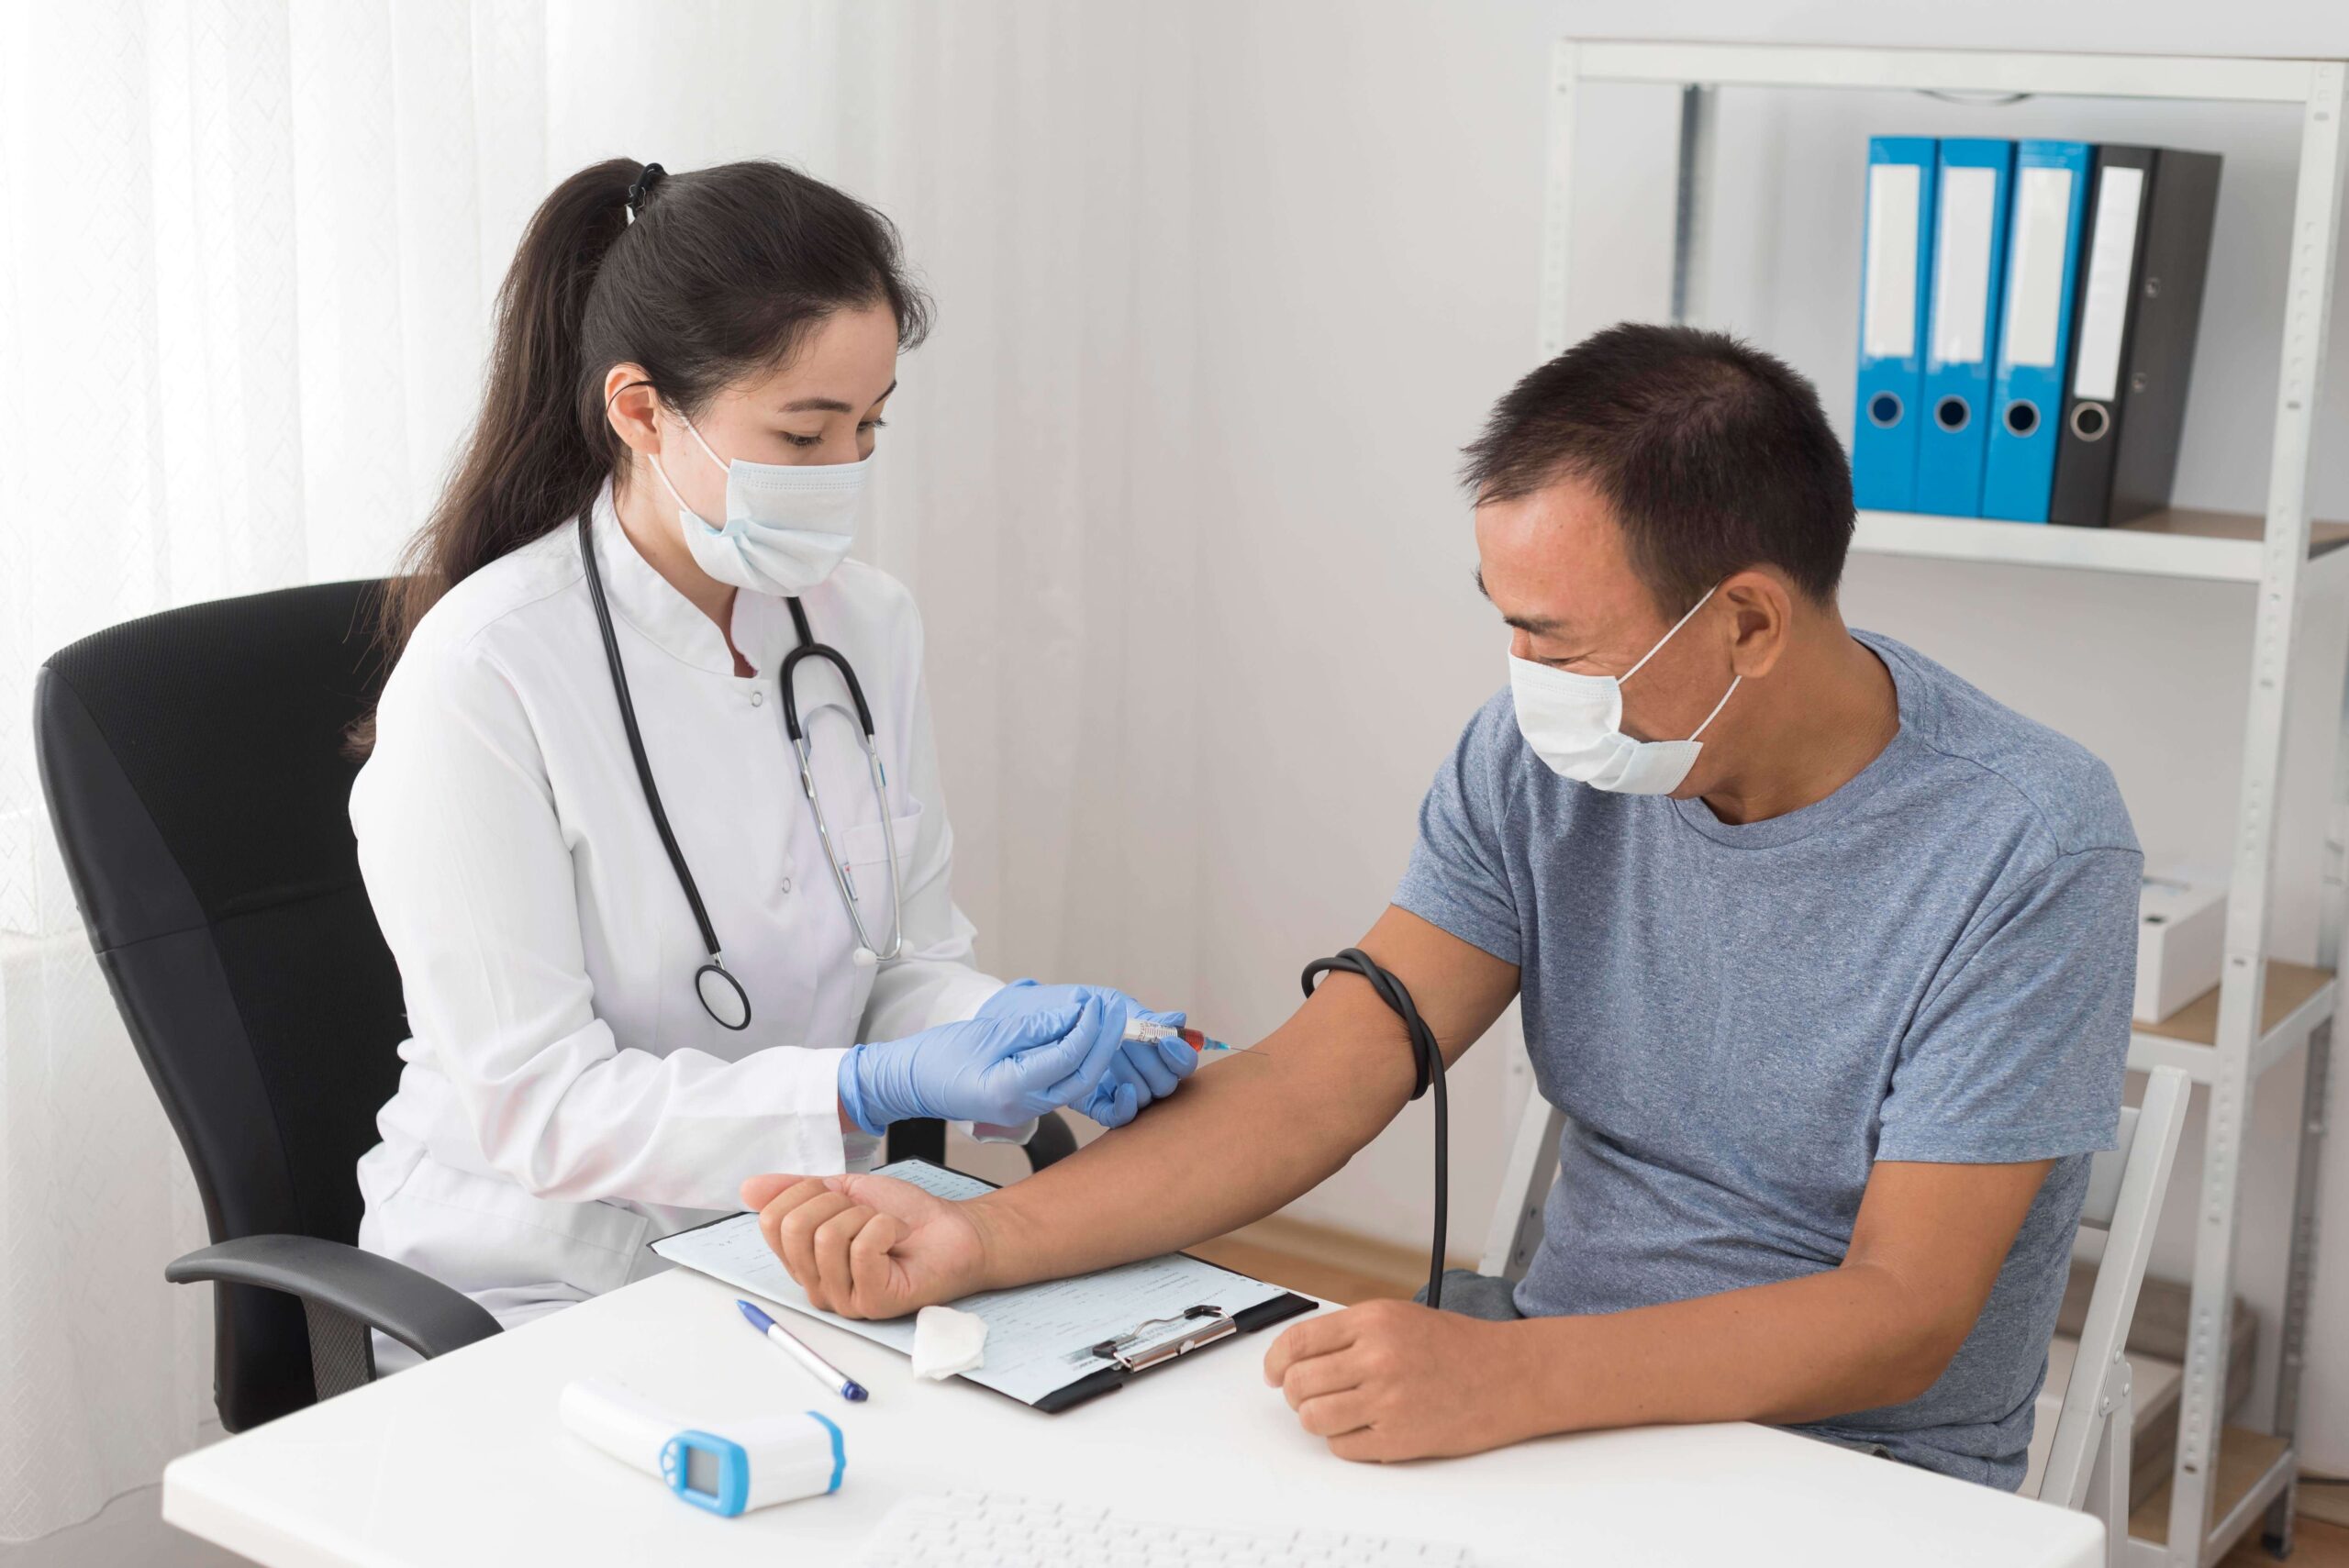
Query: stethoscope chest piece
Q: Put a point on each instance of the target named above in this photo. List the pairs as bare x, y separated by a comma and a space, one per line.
722, 996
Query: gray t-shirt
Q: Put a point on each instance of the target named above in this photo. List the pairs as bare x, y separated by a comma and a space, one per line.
1934, 963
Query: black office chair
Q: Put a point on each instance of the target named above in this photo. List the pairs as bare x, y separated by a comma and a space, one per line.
194, 770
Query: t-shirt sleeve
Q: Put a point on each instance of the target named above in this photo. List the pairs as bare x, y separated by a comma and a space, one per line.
1458, 877
2020, 1047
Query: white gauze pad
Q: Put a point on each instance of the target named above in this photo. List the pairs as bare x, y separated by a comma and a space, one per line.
947, 1341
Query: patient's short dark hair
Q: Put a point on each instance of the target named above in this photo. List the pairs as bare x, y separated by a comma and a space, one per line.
1714, 456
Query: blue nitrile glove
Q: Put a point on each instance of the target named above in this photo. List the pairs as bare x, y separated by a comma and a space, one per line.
998, 1070
1140, 1073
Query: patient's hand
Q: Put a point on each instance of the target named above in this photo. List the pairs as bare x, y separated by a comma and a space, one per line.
1390, 1380
868, 1246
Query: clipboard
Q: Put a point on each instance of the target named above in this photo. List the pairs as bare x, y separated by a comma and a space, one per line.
1052, 1345
1160, 1341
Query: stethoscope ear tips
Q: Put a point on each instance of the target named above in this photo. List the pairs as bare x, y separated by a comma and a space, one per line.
865, 958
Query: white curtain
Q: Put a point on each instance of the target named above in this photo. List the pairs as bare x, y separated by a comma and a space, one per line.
247, 253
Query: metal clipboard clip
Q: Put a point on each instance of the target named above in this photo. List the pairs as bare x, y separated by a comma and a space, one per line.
1163, 1338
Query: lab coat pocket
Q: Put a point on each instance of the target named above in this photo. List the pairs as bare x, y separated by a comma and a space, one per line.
864, 850
862, 842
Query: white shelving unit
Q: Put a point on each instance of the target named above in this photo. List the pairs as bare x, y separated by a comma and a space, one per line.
2263, 1009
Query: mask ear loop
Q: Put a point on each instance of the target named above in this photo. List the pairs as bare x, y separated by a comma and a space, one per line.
661, 470
1734, 682
723, 466
1667, 637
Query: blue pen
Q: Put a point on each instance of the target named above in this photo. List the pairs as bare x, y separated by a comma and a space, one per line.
823, 1371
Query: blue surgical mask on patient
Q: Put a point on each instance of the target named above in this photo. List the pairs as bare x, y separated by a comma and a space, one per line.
1575, 725
787, 525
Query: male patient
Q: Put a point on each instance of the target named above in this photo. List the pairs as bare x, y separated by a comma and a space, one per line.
1826, 955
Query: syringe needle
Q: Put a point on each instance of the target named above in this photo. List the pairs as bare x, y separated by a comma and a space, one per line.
1140, 1030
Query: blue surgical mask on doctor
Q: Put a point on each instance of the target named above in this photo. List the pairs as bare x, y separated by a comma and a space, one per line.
1575, 723
787, 525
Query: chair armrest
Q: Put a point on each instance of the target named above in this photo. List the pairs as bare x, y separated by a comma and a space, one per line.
417, 1310
1054, 1139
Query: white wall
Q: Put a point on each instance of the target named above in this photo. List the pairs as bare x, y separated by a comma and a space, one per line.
1035, 487
1370, 186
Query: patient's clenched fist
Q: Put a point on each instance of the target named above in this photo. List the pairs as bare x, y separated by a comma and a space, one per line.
868, 1246
1391, 1380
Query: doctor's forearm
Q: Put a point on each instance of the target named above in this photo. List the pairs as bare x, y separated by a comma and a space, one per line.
1243, 1137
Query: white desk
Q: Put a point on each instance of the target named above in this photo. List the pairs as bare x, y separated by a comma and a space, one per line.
461, 1461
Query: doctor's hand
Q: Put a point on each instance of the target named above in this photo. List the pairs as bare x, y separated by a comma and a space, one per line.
869, 1246
1390, 1380
1139, 1072
999, 1070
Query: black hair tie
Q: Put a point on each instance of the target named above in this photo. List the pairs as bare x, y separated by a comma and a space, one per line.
638, 194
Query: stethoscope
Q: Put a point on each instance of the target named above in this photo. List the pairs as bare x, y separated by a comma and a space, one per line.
722, 996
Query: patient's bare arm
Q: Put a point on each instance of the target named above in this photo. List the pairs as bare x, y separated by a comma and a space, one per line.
1245, 1136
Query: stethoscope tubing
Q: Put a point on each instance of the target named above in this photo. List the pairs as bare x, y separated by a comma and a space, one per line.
715, 970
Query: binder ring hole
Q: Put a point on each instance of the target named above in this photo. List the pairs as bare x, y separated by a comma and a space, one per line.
2091, 420
2022, 416
1884, 410
1951, 414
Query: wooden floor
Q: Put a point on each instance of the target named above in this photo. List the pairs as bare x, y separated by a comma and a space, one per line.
1323, 1263
2315, 1544
1341, 1267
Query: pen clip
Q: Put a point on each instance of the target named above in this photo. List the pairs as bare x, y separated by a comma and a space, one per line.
1163, 1338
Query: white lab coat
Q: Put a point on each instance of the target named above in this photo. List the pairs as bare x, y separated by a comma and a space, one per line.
565, 1098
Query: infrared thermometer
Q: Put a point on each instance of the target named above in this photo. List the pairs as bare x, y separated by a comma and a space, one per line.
726, 1467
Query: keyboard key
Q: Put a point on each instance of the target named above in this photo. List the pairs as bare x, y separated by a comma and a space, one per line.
980, 1528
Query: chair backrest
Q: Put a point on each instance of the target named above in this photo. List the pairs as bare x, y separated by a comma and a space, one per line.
2126, 1186
194, 770
1525, 1186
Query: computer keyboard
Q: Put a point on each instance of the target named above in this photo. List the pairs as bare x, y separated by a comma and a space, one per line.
972, 1530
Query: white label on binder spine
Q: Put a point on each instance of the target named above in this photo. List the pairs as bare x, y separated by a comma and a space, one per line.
2035, 257
1889, 331
2104, 309
1962, 264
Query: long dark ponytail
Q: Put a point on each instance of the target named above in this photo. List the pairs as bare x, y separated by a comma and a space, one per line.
720, 275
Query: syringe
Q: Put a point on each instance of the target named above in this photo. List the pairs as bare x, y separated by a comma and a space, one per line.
1136, 1029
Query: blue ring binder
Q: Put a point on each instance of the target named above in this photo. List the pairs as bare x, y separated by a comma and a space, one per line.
1969, 249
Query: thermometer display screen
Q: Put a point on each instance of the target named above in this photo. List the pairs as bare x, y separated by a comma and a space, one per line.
701, 1472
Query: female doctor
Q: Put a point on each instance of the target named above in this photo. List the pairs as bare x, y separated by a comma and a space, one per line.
652, 819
